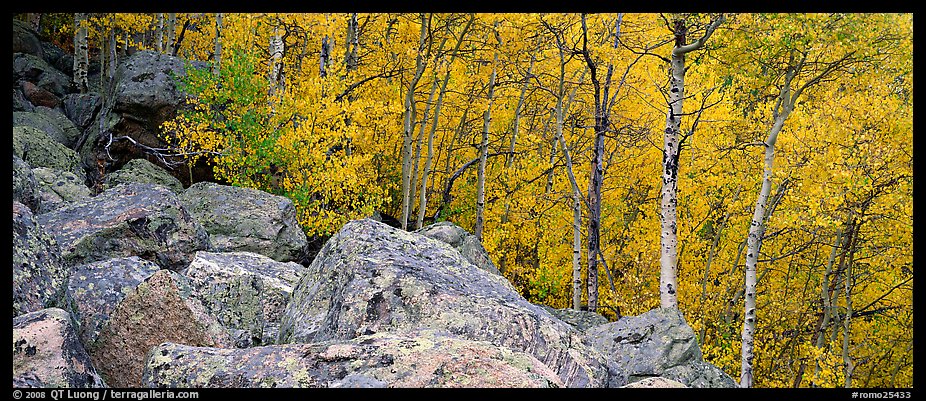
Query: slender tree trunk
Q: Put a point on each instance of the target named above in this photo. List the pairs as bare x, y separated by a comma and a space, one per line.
35, 20
420, 62
576, 251
323, 57
417, 158
111, 67
483, 151
217, 64
160, 33
81, 53
276, 66
351, 44
827, 298
847, 321
171, 32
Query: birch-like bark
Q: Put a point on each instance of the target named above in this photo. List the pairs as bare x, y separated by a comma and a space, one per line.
217, 62
323, 57
576, 250
409, 121
351, 44
416, 160
483, 151
111, 66
160, 33
35, 20
276, 65
171, 32
668, 258
846, 322
81, 53
827, 298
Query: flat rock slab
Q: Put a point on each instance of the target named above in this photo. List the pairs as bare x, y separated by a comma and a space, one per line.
39, 274
372, 278
47, 353
95, 289
426, 359
158, 310
581, 320
57, 188
247, 220
142, 220
246, 292
656, 343
143, 172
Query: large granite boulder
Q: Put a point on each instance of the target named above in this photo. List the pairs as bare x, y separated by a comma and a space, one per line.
248, 220
39, 275
34, 69
461, 240
95, 289
246, 292
145, 96
371, 278
655, 382
144, 172
40, 150
24, 184
656, 343
58, 188
580, 319
25, 40
158, 310
142, 220
47, 353
82, 108
58, 58
50, 121
425, 359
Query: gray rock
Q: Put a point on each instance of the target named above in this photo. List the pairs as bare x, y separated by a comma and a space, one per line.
58, 58
95, 289
248, 220
244, 291
39, 150
24, 184
47, 353
144, 172
58, 188
158, 310
142, 220
372, 278
50, 121
20, 103
81, 108
655, 382
581, 320
464, 242
656, 343
423, 359
34, 69
39, 276
25, 39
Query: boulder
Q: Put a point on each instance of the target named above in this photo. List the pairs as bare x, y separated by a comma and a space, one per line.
144, 220
95, 289
58, 188
24, 184
58, 58
47, 353
371, 278
39, 150
425, 359
656, 343
158, 310
145, 96
50, 121
655, 382
580, 319
20, 103
464, 242
39, 96
144, 172
34, 69
247, 220
39, 275
244, 291
81, 108
25, 40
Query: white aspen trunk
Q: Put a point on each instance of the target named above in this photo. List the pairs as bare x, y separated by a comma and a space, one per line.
35, 20
827, 299
171, 32
160, 33
323, 57
409, 124
351, 44
517, 115
416, 160
668, 255
576, 251
847, 321
81, 53
483, 151
111, 67
217, 64
276, 66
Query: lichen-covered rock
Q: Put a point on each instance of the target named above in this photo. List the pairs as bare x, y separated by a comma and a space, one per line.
25, 40
581, 320
244, 291
142, 220
145, 172
47, 353
656, 343
655, 382
248, 220
464, 242
20, 103
371, 278
24, 184
40, 150
47, 120
95, 289
81, 108
58, 58
425, 359
158, 310
34, 69
39, 275
58, 188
